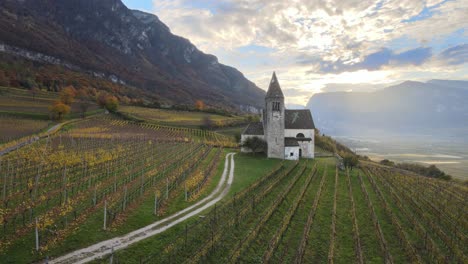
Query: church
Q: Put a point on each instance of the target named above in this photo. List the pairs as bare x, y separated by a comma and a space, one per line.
289, 134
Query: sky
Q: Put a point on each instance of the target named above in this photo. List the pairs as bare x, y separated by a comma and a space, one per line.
325, 45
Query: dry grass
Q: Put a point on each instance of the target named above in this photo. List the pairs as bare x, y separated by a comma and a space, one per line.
12, 128
178, 118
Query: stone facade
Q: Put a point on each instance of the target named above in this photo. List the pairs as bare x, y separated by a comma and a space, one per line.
289, 134
274, 124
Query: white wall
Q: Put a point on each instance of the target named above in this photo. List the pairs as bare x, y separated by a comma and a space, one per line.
244, 137
289, 150
308, 147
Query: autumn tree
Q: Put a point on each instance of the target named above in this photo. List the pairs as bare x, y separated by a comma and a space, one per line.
67, 95
101, 99
108, 101
59, 110
112, 103
199, 105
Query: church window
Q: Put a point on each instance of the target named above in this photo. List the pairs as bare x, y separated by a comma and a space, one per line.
276, 106
291, 154
300, 135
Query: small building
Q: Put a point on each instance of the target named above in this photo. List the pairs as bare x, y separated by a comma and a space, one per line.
289, 134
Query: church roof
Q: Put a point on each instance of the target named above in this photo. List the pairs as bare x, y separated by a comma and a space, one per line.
274, 90
298, 119
290, 142
254, 128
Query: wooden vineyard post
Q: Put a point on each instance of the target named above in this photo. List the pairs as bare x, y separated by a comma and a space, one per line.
95, 198
155, 203
167, 188
186, 231
37, 237
5, 181
65, 184
142, 182
36, 182
111, 260
105, 213
185, 190
115, 181
125, 199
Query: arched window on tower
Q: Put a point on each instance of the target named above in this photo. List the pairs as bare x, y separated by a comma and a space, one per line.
300, 135
276, 106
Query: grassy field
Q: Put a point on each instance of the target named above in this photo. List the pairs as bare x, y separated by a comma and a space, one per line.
178, 118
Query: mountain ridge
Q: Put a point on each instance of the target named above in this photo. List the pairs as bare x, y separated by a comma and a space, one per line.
130, 46
409, 107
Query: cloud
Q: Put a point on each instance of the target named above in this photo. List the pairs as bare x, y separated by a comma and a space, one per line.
348, 87
372, 62
455, 55
315, 42
295, 92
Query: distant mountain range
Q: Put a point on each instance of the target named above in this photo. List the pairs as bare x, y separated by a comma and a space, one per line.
437, 107
129, 47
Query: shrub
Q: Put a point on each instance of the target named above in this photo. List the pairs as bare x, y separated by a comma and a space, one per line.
350, 161
387, 162
255, 144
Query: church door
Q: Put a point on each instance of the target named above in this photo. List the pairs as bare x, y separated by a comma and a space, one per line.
300, 153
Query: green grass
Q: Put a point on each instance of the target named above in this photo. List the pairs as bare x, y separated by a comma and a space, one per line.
231, 131
260, 244
369, 240
249, 168
344, 250
319, 240
286, 250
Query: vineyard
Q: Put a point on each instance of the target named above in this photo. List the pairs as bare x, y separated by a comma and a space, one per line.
12, 128
98, 178
310, 212
104, 177
181, 118
23, 102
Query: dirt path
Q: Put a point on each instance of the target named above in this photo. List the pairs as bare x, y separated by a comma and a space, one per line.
106, 247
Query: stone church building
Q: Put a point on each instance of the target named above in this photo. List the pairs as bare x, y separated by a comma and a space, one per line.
289, 133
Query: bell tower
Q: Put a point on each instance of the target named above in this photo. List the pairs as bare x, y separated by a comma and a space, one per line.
274, 119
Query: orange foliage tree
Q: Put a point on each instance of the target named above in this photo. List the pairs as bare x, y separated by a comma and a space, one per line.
112, 103
59, 110
108, 101
67, 95
199, 105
